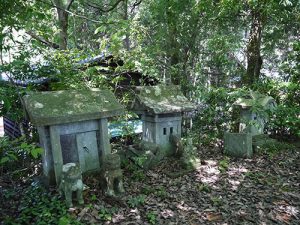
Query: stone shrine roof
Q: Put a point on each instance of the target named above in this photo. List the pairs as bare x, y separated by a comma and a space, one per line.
161, 100
58, 107
255, 98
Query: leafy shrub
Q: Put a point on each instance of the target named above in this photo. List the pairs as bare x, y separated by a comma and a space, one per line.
215, 115
285, 120
151, 217
39, 206
136, 201
15, 153
107, 213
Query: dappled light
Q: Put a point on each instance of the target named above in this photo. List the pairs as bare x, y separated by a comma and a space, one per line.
236, 176
145, 112
209, 172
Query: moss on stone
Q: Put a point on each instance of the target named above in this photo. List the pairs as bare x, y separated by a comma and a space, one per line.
255, 98
162, 99
48, 108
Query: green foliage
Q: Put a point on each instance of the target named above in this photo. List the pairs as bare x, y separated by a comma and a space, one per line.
216, 115
223, 164
136, 201
137, 173
38, 206
151, 217
285, 121
15, 153
147, 190
217, 201
161, 192
11, 104
273, 148
204, 188
107, 213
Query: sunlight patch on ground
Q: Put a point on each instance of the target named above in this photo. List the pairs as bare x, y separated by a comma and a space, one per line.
1, 127
118, 217
236, 175
167, 213
208, 173
283, 211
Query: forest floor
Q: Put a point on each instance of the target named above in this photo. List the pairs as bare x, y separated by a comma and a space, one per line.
222, 190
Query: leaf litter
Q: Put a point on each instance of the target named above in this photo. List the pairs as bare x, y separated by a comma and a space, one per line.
261, 190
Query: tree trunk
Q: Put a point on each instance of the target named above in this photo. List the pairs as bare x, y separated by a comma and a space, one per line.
62, 8
173, 47
63, 28
254, 59
126, 40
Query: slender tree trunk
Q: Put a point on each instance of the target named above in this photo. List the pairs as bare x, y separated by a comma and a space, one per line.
126, 40
254, 59
173, 48
62, 7
63, 28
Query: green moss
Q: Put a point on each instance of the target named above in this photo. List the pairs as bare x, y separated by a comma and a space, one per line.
47, 108
163, 99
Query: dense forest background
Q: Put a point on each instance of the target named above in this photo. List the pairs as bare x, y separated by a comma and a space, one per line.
209, 47
216, 50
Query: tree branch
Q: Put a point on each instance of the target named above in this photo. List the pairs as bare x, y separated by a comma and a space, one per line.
100, 8
137, 3
42, 40
68, 6
233, 57
72, 13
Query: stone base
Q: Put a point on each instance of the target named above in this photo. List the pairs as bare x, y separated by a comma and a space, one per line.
238, 145
258, 141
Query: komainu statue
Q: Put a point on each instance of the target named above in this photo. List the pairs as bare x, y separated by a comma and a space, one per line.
111, 175
178, 148
71, 181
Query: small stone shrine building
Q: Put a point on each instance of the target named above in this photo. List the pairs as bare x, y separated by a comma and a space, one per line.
72, 127
252, 109
161, 109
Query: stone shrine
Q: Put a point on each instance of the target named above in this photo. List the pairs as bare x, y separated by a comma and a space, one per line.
72, 127
161, 109
253, 121
252, 111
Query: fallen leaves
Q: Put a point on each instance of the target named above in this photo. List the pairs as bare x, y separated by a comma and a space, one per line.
256, 191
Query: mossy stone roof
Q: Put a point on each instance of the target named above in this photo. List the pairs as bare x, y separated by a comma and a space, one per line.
161, 100
255, 98
58, 107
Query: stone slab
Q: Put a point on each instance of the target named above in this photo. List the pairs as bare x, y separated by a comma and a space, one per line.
238, 144
58, 107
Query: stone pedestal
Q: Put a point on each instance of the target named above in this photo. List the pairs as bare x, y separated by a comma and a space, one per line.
238, 144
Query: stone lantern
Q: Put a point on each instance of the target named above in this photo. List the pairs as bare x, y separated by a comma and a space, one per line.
161, 109
72, 127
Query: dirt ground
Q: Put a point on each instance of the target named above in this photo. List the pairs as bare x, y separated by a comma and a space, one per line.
261, 190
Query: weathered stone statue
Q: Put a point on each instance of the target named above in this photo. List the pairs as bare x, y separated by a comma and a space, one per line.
71, 181
111, 175
177, 146
189, 159
186, 152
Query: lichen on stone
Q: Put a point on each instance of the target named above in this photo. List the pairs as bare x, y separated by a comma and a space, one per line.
46, 108
163, 99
